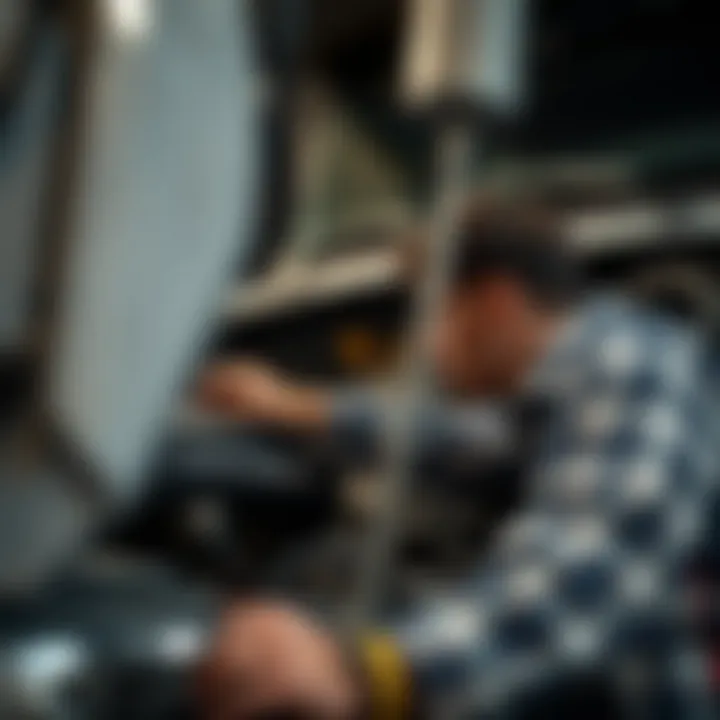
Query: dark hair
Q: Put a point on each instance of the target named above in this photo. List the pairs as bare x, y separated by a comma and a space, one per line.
520, 238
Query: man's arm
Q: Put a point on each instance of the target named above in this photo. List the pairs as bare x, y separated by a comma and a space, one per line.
353, 422
445, 436
588, 574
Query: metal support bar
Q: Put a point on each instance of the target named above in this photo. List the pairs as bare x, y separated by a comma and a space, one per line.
454, 158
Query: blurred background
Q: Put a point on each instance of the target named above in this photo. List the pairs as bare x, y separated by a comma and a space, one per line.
185, 180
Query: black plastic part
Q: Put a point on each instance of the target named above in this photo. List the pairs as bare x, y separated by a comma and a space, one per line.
271, 493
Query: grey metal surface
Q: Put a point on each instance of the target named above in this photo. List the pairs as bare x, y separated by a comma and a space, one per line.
42, 524
474, 48
164, 213
25, 153
494, 52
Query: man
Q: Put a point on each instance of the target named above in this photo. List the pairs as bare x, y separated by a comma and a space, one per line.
584, 578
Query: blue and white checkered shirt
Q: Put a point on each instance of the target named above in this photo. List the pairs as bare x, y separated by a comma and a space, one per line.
586, 575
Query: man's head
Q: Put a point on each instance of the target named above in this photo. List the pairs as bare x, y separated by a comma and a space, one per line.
511, 280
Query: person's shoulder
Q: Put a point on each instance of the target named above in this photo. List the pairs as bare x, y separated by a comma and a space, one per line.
627, 339
616, 312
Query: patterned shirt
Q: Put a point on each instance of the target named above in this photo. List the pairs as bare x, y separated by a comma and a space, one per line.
586, 576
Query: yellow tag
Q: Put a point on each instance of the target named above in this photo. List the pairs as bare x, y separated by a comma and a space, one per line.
389, 678
359, 349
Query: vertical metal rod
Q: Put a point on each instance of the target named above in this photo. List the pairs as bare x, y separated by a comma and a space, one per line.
454, 149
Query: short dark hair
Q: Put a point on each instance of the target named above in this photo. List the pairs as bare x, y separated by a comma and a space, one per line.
520, 237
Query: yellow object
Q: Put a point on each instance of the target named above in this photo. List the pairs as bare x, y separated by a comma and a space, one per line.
388, 676
362, 350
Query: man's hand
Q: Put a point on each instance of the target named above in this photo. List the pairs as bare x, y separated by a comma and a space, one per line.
254, 393
271, 661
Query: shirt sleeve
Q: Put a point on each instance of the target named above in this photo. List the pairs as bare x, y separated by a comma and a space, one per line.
444, 435
587, 573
